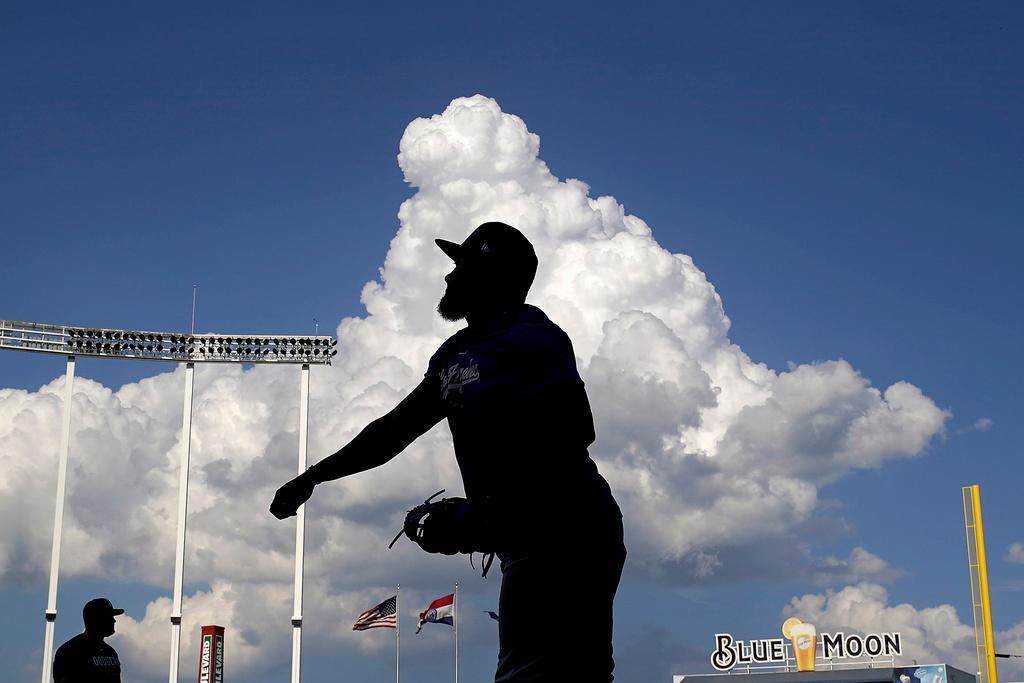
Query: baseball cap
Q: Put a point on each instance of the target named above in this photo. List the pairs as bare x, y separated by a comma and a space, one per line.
98, 608
501, 246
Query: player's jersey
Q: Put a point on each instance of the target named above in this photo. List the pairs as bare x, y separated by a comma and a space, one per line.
521, 422
85, 660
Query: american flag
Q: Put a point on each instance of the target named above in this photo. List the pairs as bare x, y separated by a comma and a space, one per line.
381, 616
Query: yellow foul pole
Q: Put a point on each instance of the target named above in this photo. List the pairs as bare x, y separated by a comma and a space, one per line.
980, 602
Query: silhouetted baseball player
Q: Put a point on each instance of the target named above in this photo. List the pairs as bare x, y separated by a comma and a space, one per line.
521, 424
86, 658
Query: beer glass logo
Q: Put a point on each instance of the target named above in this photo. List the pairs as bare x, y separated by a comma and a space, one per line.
804, 638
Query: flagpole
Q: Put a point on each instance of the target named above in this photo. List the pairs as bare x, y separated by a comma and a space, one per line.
398, 630
455, 615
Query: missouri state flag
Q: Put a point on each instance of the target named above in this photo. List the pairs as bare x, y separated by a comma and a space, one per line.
441, 611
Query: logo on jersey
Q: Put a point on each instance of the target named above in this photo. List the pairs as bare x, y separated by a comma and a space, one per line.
456, 376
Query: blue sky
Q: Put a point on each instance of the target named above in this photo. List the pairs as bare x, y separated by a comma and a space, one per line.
847, 176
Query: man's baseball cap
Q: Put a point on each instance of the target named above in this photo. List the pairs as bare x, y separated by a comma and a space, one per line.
500, 246
98, 608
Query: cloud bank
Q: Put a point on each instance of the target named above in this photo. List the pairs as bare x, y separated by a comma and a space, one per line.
716, 460
930, 635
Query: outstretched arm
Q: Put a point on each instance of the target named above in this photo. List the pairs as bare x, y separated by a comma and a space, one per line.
376, 444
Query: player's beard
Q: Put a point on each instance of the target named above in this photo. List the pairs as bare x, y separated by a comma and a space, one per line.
463, 297
453, 306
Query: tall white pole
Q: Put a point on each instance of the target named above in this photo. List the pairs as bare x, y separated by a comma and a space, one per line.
179, 555
58, 520
455, 617
300, 528
398, 631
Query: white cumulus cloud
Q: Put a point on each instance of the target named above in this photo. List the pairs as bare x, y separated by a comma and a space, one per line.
715, 458
928, 635
980, 425
1015, 553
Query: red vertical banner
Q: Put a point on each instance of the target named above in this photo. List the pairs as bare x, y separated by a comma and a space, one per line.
211, 655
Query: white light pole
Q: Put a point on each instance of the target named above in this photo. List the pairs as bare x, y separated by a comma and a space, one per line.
179, 546
58, 518
188, 348
300, 528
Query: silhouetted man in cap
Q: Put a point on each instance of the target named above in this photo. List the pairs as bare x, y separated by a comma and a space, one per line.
86, 658
521, 425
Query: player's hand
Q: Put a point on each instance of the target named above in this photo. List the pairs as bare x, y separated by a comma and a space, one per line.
290, 496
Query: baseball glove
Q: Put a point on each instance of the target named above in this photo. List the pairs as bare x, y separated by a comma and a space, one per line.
449, 526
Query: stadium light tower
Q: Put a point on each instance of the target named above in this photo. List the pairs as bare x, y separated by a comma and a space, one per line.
176, 347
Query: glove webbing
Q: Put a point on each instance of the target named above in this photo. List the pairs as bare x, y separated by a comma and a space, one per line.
487, 557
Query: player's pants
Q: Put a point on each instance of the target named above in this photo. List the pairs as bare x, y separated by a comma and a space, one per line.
555, 612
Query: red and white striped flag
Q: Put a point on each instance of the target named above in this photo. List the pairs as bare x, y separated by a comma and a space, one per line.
383, 615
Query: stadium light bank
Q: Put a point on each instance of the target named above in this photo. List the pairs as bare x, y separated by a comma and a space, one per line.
175, 347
